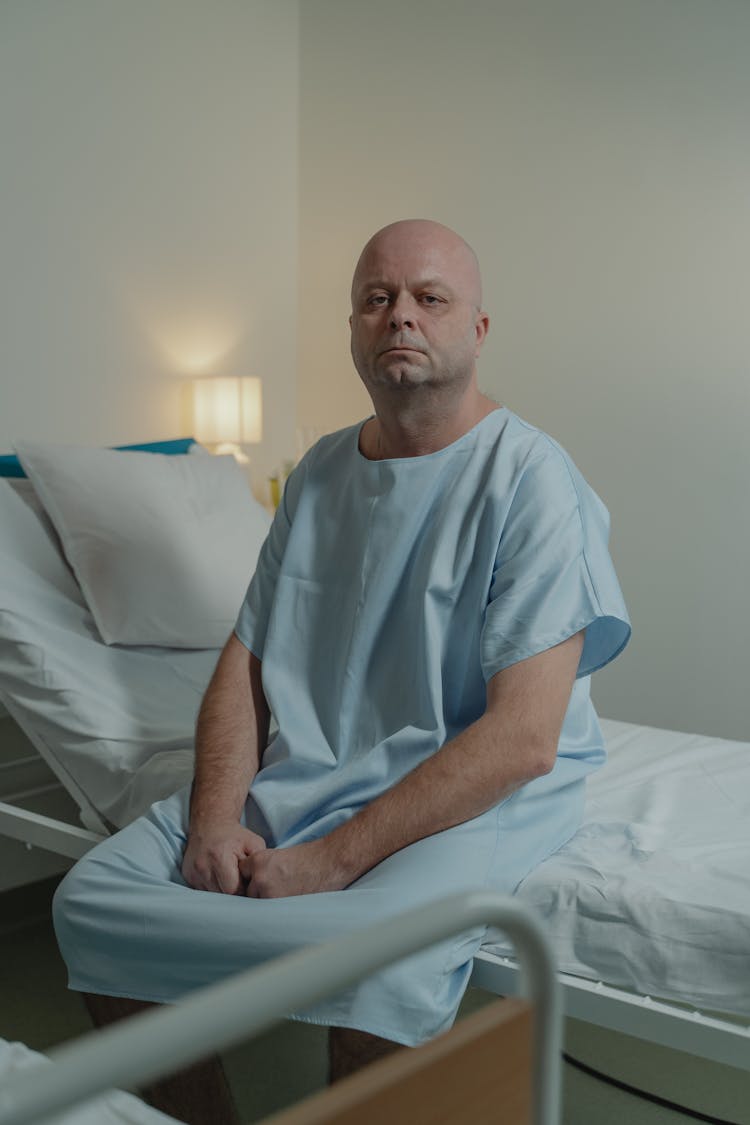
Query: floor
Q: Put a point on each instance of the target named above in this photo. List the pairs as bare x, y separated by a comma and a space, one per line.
289, 1062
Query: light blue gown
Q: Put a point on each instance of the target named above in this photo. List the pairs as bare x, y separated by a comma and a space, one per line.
386, 595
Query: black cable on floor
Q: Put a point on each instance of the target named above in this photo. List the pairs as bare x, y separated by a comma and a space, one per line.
694, 1113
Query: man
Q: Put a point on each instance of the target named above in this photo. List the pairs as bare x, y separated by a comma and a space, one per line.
430, 602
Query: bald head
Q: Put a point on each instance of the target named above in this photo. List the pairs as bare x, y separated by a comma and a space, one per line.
417, 319
422, 242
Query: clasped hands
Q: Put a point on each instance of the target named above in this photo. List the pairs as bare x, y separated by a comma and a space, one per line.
232, 860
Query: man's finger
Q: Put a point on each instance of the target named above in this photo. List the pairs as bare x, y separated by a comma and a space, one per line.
194, 879
227, 880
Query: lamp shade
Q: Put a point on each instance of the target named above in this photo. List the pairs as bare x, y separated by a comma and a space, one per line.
227, 410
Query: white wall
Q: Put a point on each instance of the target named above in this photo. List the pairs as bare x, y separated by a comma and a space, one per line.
148, 223
596, 155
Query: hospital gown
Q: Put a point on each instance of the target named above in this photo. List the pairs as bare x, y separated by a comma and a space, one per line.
385, 597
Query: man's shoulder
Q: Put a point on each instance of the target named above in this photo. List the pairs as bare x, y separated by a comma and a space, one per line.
330, 456
521, 447
543, 473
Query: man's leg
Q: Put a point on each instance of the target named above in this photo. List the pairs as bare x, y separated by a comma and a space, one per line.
196, 1096
349, 1051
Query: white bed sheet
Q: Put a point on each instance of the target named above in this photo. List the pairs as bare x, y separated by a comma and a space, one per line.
653, 893
115, 724
113, 1108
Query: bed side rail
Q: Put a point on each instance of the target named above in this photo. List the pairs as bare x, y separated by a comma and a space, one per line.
40, 831
656, 1021
159, 1042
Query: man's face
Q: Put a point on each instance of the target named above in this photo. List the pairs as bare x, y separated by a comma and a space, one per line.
415, 309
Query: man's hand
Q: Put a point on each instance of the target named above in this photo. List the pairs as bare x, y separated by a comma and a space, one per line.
300, 870
213, 857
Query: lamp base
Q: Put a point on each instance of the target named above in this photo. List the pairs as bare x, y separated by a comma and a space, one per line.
225, 447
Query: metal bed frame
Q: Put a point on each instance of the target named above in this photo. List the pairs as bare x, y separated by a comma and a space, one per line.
156, 1043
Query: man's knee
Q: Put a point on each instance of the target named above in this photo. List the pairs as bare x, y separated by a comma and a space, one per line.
70, 893
71, 911
63, 908
349, 1050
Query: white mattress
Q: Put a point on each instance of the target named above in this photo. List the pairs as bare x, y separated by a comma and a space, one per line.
653, 893
113, 1108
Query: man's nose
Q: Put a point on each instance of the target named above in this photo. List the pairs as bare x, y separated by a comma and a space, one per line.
402, 313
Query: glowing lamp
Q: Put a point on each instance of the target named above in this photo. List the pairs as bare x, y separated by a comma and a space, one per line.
227, 412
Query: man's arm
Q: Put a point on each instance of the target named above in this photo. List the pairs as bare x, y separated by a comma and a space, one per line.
513, 742
231, 734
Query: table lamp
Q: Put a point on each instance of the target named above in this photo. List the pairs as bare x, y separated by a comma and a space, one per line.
228, 413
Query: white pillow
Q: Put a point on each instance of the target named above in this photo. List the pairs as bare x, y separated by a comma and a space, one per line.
163, 547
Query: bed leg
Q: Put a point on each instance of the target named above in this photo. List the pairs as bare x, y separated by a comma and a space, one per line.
196, 1095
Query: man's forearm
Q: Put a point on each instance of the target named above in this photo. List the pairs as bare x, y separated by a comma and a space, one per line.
467, 776
231, 734
514, 741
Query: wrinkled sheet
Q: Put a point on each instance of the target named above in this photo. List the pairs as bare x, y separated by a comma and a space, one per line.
652, 894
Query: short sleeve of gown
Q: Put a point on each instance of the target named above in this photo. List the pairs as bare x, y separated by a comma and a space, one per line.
553, 574
252, 623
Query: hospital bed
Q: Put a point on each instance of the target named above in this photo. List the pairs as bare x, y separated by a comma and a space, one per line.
486, 1069
647, 907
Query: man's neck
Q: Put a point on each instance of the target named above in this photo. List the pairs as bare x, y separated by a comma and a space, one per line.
418, 428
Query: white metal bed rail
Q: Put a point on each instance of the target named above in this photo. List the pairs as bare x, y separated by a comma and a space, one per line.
657, 1021
36, 830
158, 1042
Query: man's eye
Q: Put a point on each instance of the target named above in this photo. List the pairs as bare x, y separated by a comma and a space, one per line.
377, 299
430, 299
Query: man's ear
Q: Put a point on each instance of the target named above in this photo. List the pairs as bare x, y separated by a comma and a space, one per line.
481, 327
